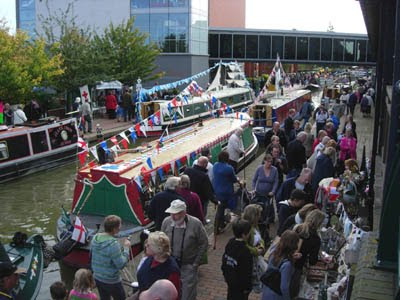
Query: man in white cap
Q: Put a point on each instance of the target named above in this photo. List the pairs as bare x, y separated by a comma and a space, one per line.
189, 243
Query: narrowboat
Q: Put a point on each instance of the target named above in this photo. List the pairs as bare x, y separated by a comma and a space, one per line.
27, 255
125, 185
229, 90
35, 147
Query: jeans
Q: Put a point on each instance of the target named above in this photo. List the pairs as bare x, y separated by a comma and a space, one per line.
205, 208
220, 215
108, 290
305, 121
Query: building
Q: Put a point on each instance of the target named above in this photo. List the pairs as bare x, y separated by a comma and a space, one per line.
178, 27
234, 15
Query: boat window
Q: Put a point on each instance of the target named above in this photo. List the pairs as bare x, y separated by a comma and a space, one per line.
17, 146
39, 142
3, 150
63, 135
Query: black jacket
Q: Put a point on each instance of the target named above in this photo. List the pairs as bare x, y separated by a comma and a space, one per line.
296, 155
237, 265
200, 183
288, 186
160, 202
284, 212
287, 224
281, 135
289, 125
309, 250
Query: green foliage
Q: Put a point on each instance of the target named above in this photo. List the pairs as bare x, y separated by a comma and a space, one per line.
24, 64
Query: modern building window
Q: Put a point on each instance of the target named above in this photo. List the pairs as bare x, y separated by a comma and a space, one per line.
225, 48
370, 54
326, 49
302, 48
142, 22
264, 47
349, 50
213, 43
315, 49
251, 46
277, 46
239, 46
361, 50
27, 16
140, 4
290, 47
338, 49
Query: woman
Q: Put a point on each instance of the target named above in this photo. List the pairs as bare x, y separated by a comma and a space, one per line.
319, 138
350, 124
330, 130
297, 218
308, 143
223, 179
318, 150
193, 202
265, 183
282, 259
348, 146
159, 263
311, 242
255, 243
320, 118
324, 166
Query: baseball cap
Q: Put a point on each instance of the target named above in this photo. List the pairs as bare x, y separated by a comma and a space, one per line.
7, 269
176, 207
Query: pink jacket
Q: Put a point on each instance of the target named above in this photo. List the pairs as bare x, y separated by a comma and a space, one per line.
348, 148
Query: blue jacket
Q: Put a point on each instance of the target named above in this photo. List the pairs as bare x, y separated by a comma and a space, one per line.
108, 258
224, 178
323, 169
286, 270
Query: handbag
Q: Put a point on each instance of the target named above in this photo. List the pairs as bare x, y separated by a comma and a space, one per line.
272, 278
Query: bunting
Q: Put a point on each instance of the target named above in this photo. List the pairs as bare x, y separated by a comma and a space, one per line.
149, 163
93, 150
114, 140
124, 137
161, 174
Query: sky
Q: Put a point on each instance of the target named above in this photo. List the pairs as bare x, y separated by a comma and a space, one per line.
310, 15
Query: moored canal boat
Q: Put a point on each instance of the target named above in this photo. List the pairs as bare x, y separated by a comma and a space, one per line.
125, 186
28, 256
35, 147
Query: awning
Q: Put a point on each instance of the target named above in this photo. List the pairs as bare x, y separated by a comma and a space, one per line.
111, 85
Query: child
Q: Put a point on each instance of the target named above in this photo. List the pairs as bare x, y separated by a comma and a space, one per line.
83, 285
58, 291
237, 262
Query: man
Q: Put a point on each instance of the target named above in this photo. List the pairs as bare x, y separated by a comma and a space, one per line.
296, 155
86, 113
206, 152
276, 130
19, 116
200, 183
9, 279
344, 99
127, 105
108, 258
279, 162
162, 200
306, 112
290, 206
289, 123
302, 182
351, 104
162, 289
235, 148
189, 243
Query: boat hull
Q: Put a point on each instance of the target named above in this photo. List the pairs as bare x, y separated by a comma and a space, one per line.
29, 257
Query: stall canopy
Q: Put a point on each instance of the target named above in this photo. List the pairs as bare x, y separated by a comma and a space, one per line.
110, 85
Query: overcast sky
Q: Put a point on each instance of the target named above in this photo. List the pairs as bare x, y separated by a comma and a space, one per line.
310, 15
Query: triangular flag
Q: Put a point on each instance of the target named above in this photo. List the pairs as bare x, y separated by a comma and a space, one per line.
82, 144
124, 144
143, 130
137, 129
114, 140
237, 115
149, 163
166, 168
153, 177
175, 119
143, 170
93, 150
79, 233
161, 174
178, 164
138, 183
115, 150
133, 136
183, 159
82, 157
123, 135
241, 117
173, 167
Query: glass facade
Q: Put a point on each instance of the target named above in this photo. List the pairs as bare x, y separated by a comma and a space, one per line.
315, 49
27, 16
228, 45
176, 26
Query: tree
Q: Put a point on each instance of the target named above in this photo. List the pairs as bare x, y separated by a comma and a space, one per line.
24, 64
125, 54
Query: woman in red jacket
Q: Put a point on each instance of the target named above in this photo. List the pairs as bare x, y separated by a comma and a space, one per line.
111, 104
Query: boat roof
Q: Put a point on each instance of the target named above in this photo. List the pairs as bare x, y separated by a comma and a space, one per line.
288, 97
25, 128
193, 138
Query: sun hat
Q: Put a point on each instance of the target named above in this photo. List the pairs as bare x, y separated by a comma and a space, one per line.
176, 207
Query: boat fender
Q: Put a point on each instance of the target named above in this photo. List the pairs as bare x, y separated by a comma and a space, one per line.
64, 246
19, 239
